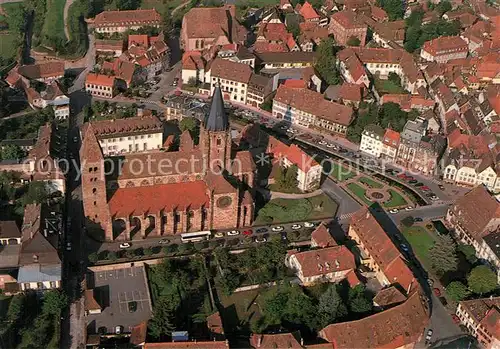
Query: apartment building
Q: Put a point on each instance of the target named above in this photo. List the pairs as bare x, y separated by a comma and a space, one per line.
371, 140
43, 72
233, 79
444, 49
345, 25
100, 85
275, 61
480, 317
377, 252
489, 250
307, 108
109, 22
308, 170
259, 88
330, 264
130, 135
473, 216
390, 145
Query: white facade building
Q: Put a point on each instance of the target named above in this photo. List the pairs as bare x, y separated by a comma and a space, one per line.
371, 140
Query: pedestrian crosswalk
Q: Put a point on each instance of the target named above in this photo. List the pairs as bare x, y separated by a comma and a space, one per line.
346, 215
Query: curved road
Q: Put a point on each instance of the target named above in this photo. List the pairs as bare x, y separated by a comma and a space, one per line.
66, 10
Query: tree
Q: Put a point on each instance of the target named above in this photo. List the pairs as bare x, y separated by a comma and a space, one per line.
291, 177
443, 256
128, 4
394, 9
331, 307
112, 256
53, 302
93, 257
192, 81
167, 24
148, 251
353, 41
457, 291
326, 63
169, 249
394, 78
469, 252
192, 125
482, 280
12, 152
36, 193
162, 321
443, 7
359, 300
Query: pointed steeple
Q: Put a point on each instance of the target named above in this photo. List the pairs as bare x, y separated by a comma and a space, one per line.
217, 120
91, 150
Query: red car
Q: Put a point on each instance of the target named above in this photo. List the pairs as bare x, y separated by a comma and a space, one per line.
402, 175
437, 292
425, 188
247, 232
455, 319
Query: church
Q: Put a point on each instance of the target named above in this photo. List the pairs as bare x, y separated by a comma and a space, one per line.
158, 193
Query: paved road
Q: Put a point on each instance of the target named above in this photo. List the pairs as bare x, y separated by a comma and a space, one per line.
347, 205
165, 85
66, 11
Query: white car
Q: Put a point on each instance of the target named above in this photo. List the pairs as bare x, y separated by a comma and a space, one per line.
68, 246
322, 142
163, 241
296, 226
118, 329
408, 208
404, 247
394, 210
219, 234
308, 224
278, 228
434, 198
260, 239
330, 145
75, 139
429, 335
125, 245
233, 233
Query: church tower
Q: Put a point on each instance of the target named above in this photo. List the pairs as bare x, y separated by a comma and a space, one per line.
215, 135
95, 205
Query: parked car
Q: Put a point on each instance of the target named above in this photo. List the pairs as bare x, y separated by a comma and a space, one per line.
413, 181
394, 210
434, 198
118, 329
233, 233
408, 208
75, 139
219, 234
260, 239
425, 188
125, 245
404, 247
437, 291
322, 142
455, 319
277, 228
418, 219
163, 241
402, 176
261, 230
296, 226
419, 184
68, 246
248, 232
429, 335
330, 145
440, 186
308, 224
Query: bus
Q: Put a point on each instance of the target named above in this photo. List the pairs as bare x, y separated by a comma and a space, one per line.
196, 236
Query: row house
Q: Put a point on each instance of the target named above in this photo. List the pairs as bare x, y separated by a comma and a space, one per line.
371, 140
380, 62
150, 53
480, 318
307, 108
125, 72
378, 253
52, 96
308, 170
141, 133
233, 78
259, 89
346, 25
311, 36
474, 216
444, 49
43, 72
100, 85
109, 22
113, 48
409, 102
489, 250
274, 37
386, 34
271, 62
237, 53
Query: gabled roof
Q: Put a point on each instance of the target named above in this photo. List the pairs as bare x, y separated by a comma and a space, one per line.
127, 18
322, 237
42, 70
389, 296
325, 261
226, 69
308, 12
279, 340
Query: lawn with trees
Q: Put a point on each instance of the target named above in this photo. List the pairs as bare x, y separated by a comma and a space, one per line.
370, 182
421, 242
285, 180
326, 62
11, 39
396, 200
360, 192
341, 173
385, 86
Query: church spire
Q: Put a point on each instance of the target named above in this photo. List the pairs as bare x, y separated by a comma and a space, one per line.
217, 120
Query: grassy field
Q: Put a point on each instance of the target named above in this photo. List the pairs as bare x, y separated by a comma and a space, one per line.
53, 27
421, 242
370, 182
359, 192
341, 173
10, 40
387, 86
294, 210
161, 5
396, 200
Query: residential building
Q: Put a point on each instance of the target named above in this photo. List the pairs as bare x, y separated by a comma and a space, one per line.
43, 72
330, 264
321, 237
308, 170
40, 267
9, 233
130, 135
308, 12
233, 79
401, 326
346, 25
109, 22
99, 85
352, 68
51, 96
124, 72
113, 48
489, 250
371, 140
272, 62
388, 297
278, 340
152, 54
237, 53
274, 37
378, 253
409, 102
311, 35
444, 49
259, 88
309, 109
473, 216
410, 139
204, 27
193, 67
481, 318
390, 145
179, 191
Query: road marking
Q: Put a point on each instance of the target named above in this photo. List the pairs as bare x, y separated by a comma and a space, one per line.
346, 215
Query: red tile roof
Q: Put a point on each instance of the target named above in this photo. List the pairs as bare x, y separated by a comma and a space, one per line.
272, 341
138, 40
351, 92
138, 333
308, 12
225, 69
389, 296
325, 261
90, 301
154, 198
391, 138
127, 18
192, 60
379, 14
42, 70
121, 69
294, 83
390, 329
100, 80
188, 345
314, 103
485, 311
214, 323
352, 278
348, 19
108, 45
443, 44
149, 123
352, 63
322, 237
292, 153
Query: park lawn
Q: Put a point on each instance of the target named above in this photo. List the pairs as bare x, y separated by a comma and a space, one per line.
395, 201
278, 188
53, 27
10, 40
421, 242
359, 192
370, 182
256, 3
279, 211
340, 172
9, 43
161, 5
387, 86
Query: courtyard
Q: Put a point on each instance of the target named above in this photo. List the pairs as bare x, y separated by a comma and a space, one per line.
123, 295
369, 191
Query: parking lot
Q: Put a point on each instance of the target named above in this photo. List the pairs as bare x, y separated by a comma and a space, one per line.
123, 295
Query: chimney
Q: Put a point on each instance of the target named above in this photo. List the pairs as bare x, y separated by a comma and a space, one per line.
367, 214
259, 340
